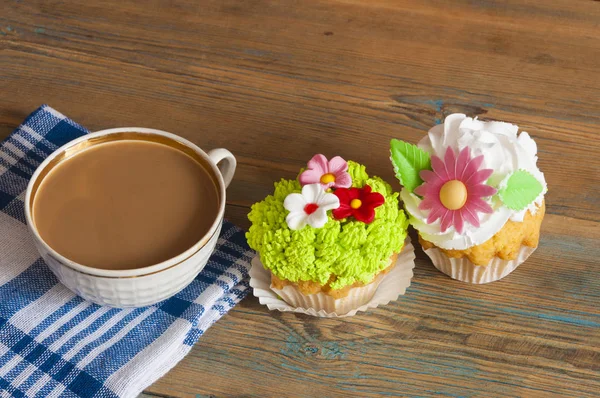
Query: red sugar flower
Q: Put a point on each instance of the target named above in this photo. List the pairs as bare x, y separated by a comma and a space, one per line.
359, 203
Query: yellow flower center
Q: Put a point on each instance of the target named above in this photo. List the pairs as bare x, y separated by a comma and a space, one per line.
355, 203
453, 195
327, 178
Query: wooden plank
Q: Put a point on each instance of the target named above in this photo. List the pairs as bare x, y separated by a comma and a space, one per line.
535, 333
275, 81
212, 78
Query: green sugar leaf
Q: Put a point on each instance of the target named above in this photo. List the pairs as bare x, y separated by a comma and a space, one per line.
408, 161
520, 190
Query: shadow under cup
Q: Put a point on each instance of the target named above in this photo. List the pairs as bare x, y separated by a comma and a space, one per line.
128, 217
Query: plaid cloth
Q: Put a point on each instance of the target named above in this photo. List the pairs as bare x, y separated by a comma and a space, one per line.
52, 342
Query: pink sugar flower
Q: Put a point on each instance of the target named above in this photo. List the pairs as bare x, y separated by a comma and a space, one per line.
454, 189
330, 174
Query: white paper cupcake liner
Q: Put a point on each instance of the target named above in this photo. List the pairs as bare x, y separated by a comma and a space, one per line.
379, 292
464, 270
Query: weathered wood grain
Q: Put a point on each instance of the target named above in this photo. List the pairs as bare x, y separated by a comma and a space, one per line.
535, 333
211, 71
275, 81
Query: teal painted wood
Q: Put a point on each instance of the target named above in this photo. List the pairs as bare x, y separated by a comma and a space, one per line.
533, 334
273, 82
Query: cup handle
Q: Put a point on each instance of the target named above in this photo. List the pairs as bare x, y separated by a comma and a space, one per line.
227, 167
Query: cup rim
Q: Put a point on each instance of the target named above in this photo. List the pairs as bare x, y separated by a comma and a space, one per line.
136, 271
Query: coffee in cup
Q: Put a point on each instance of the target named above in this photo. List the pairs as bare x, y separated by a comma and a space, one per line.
125, 204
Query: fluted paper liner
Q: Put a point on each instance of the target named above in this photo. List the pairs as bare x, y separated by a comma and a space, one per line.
464, 270
386, 288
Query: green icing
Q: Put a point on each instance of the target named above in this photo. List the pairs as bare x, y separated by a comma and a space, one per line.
351, 250
358, 173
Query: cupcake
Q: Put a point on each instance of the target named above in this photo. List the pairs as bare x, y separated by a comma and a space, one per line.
330, 237
474, 193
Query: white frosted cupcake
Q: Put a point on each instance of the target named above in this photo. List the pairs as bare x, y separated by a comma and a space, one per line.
473, 191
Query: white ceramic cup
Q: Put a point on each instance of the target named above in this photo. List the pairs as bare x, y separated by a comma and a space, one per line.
140, 286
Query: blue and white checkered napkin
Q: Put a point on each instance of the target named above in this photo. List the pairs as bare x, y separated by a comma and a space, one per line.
52, 342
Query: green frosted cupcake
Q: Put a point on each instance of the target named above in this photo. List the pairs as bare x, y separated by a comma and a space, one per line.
330, 236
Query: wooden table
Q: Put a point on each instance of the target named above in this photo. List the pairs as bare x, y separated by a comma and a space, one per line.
277, 81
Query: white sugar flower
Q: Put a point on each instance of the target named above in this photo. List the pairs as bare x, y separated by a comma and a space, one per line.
310, 207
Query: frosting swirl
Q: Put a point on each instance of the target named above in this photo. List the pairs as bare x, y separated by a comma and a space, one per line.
504, 151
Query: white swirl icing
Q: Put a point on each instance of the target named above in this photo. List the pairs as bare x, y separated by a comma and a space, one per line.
504, 151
